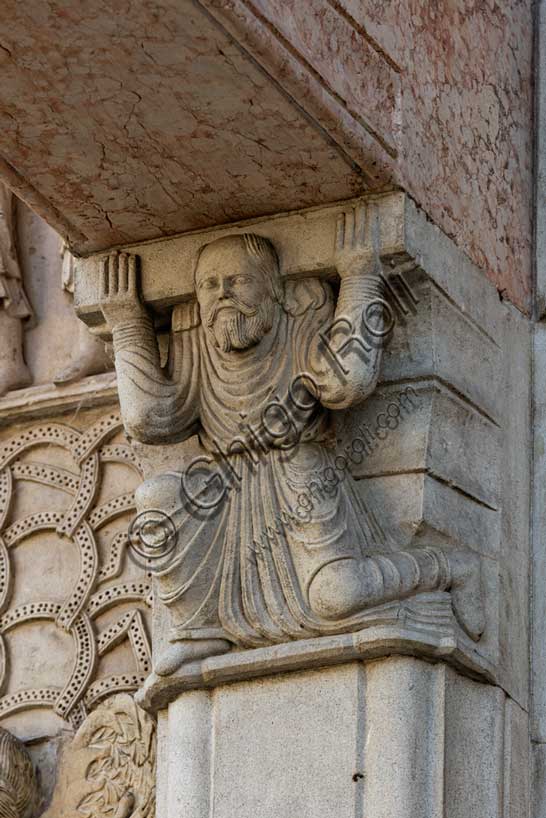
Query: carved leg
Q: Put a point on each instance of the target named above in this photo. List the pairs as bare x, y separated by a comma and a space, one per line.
163, 493
89, 358
342, 588
14, 373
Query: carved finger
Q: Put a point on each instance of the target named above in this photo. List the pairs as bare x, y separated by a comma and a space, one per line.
113, 273
340, 231
132, 275
349, 228
123, 268
103, 278
360, 225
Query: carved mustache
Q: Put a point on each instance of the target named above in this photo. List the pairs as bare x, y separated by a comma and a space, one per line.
233, 303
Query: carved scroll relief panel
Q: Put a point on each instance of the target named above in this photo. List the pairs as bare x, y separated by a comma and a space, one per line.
73, 607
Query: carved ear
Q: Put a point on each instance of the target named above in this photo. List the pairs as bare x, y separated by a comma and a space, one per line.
185, 316
305, 293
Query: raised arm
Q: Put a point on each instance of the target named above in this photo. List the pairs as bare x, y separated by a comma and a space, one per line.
155, 407
346, 355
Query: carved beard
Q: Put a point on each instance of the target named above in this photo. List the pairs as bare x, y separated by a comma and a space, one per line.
241, 330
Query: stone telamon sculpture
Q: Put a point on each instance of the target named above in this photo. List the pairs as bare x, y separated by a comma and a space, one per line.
18, 787
89, 356
250, 374
15, 310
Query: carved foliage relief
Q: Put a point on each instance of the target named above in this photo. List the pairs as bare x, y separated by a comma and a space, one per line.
18, 786
108, 770
66, 499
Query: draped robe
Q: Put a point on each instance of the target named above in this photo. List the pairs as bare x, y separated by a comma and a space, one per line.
242, 568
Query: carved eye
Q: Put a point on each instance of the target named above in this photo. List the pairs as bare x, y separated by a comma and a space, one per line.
208, 284
241, 279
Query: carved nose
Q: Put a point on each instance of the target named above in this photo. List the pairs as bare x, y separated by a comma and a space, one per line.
225, 288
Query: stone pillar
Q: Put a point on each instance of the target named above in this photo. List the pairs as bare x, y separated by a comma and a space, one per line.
389, 738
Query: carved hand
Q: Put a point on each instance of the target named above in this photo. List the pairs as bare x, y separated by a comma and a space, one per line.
353, 255
119, 289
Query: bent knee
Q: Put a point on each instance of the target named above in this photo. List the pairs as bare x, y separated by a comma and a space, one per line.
162, 492
336, 590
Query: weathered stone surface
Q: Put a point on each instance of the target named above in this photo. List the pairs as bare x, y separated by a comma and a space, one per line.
540, 160
39, 401
538, 665
474, 729
514, 564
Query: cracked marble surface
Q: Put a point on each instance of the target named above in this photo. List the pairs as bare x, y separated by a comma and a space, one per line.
149, 121
466, 151
155, 121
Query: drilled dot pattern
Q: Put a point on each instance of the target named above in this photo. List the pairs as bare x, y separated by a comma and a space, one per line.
119, 453
84, 667
5, 576
51, 433
130, 624
85, 497
77, 715
96, 434
114, 566
26, 613
119, 505
140, 644
126, 592
88, 571
112, 635
126, 683
47, 475
29, 525
6, 494
38, 697
90, 450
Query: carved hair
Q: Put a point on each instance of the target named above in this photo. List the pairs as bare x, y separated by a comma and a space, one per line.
18, 791
263, 254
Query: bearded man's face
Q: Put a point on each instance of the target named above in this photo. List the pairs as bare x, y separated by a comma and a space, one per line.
234, 299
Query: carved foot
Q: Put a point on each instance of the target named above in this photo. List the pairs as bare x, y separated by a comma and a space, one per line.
158, 690
467, 592
184, 652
